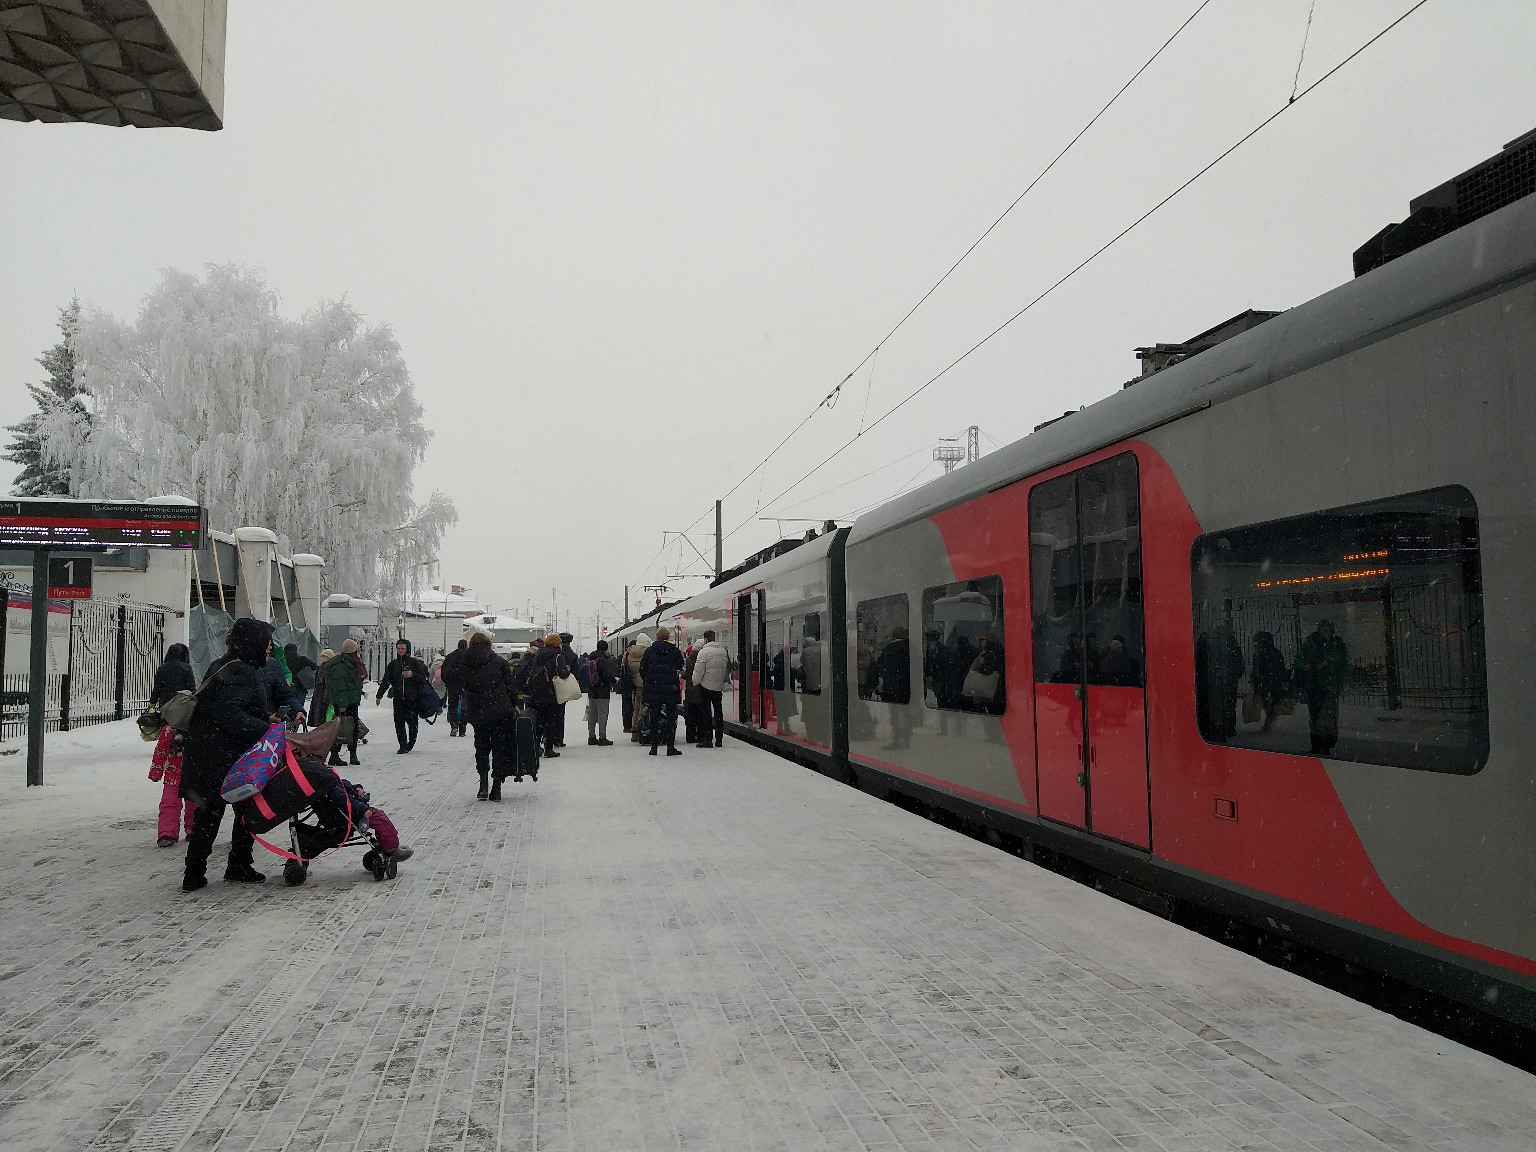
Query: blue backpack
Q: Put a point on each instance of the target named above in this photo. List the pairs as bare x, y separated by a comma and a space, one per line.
428, 702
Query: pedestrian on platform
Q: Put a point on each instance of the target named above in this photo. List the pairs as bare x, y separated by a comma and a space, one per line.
232, 713
711, 673
345, 674
539, 686
173, 676
453, 687
320, 703
692, 698
302, 671
660, 668
602, 678
489, 705
634, 682
573, 665
403, 679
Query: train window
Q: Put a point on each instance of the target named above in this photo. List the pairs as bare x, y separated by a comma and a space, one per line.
883, 649
807, 654
778, 652
963, 646
1355, 634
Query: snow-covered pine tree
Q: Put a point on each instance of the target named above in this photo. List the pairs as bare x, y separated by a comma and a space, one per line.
37, 477
308, 427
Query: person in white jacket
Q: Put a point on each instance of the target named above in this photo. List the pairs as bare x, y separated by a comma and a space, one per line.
711, 672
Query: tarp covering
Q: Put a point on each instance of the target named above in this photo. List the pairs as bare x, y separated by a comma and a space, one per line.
208, 627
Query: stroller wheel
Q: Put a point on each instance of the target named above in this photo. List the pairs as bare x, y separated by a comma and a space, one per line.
392, 869
294, 873
369, 860
378, 867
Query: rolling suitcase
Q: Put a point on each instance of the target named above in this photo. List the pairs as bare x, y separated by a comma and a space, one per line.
525, 742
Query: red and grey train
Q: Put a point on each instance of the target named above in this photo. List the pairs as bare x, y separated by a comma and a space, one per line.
1254, 633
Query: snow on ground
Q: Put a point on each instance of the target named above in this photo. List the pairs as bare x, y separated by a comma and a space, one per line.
721, 951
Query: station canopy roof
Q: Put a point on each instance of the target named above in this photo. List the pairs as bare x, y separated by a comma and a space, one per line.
139, 63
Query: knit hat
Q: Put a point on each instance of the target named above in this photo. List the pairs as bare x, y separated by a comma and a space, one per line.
327, 654
552, 640
349, 646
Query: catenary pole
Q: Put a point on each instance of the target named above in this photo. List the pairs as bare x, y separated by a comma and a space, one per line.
719, 542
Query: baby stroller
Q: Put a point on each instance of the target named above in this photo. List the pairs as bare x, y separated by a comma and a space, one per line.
308, 796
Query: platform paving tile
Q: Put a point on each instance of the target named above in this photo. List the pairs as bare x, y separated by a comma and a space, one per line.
718, 951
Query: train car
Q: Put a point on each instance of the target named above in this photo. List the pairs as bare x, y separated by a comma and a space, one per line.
778, 621
1253, 633
1256, 630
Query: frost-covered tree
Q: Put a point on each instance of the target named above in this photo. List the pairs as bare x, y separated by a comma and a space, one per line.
309, 427
37, 476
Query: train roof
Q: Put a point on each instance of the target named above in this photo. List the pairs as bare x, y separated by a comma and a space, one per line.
1492, 253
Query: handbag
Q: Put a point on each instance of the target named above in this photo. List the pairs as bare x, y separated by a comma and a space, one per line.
150, 722
566, 689
178, 711
1251, 711
980, 685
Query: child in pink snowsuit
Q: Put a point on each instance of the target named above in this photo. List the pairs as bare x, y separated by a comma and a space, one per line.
175, 813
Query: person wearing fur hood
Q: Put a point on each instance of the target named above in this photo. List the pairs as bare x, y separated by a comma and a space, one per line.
634, 682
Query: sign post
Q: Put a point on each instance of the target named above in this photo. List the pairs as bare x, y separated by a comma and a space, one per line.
37, 673
60, 525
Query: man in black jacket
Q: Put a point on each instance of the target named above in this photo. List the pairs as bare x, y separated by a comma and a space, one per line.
452, 674
403, 680
661, 690
232, 714
603, 678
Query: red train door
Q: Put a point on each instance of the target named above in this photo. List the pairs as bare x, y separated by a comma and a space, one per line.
1089, 645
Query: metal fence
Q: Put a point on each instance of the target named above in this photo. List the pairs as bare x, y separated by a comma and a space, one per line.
114, 649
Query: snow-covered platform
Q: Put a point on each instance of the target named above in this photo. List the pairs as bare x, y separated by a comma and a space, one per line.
721, 951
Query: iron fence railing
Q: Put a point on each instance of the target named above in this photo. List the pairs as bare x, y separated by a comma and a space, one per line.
109, 668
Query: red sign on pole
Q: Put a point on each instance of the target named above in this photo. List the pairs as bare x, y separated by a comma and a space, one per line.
69, 577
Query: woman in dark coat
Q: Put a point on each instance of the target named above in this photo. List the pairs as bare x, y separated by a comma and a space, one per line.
539, 686
660, 689
232, 714
485, 679
173, 676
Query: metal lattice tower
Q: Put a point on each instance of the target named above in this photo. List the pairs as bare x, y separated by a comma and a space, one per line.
949, 455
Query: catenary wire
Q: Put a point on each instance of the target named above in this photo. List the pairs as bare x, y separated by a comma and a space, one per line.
830, 396
1108, 244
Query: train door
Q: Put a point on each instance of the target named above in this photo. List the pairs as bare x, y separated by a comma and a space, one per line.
751, 638
760, 696
1090, 695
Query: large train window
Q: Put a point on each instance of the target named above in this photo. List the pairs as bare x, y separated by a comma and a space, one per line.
1354, 634
883, 649
963, 646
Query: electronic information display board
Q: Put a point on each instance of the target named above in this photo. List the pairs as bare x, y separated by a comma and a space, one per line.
96, 525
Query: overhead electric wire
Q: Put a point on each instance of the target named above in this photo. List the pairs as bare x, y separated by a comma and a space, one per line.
830, 398
1108, 244
862, 476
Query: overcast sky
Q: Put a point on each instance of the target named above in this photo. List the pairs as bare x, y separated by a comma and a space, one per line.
626, 247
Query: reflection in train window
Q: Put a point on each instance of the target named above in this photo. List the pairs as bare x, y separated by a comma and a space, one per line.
883, 649
963, 646
1354, 634
807, 654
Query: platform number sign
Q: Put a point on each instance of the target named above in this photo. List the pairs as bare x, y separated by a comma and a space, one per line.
69, 577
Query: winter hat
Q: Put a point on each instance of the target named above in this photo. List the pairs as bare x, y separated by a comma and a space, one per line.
327, 654
349, 646
248, 640
642, 641
567, 637
552, 640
